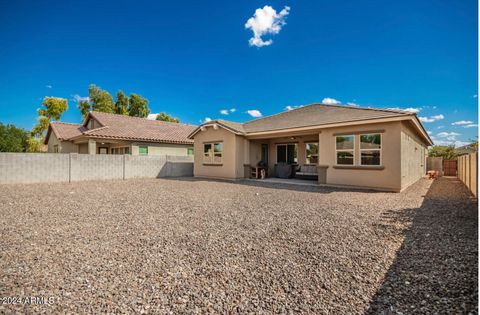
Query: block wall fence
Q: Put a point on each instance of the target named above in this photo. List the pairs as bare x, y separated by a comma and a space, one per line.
24, 168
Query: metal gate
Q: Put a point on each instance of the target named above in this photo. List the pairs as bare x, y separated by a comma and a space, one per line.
450, 167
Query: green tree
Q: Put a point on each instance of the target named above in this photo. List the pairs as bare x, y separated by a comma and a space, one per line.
34, 145
52, 109
138, 106
166, 117
100, 100
13, 139
121, 105
445, 151
85, 107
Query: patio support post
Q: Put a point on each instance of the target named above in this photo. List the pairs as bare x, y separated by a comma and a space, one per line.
321, 168
92, 146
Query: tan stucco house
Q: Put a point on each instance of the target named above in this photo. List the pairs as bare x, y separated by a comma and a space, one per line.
103, 133
341, 145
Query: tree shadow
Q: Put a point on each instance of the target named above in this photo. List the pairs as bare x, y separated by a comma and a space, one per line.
436, 267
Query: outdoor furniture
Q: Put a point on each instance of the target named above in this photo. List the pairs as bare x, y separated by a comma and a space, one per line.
284, 170
307, 171
258, 172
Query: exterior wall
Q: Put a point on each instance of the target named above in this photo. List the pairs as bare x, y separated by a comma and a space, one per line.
63, 146
414, 154
162, 148
402, 160
53, 167
233, 156
83, 148
388, 178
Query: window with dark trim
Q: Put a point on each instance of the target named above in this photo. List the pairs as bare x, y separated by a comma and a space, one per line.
370, 149
345, 150
212, 153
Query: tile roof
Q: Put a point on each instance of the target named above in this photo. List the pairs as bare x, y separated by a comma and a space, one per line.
307, 116
65, 131
318, 114
123, 127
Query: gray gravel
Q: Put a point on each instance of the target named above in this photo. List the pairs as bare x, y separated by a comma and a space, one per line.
195, 247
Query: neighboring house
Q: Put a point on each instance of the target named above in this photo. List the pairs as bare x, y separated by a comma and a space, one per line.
466, 149
364, 147
103, 133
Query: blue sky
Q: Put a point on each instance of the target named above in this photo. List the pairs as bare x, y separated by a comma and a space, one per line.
193, 58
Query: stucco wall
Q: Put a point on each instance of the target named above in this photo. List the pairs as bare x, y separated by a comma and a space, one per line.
388, 178
232, 159
162, 148
414, 153
63, 146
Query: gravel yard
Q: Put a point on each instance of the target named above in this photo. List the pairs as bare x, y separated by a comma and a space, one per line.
195, 247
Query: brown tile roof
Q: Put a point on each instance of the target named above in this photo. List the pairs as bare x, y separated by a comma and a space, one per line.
123, 127
64, 131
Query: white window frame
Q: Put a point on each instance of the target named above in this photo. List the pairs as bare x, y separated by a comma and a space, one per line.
361, 150
344, 150
212, 153
306, 157
286, 151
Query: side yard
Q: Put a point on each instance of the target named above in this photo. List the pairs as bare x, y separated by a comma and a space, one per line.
196, 246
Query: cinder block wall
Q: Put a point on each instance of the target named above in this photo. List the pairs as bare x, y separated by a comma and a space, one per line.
51, 167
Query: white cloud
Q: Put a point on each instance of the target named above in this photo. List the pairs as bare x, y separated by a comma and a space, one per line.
152, 116
462, 122
429, 132
431, 118
352, 104
447, 134
289, 107
475, 96
471, 126
330, 101
49, 86
254, 113
207, 119
266, 21
77, 98
228, 111
408, 109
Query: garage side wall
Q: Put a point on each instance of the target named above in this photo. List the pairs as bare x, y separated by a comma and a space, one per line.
414, 153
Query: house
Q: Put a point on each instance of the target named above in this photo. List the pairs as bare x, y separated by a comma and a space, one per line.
466, 149
104, 133
343, 145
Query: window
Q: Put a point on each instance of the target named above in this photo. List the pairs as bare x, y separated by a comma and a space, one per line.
345, 150
143, 150
189, 151
311, 153
287, 153
212, 153
55, 148
121, 150
370, 149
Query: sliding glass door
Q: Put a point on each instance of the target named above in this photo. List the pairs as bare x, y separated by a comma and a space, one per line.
287, 153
